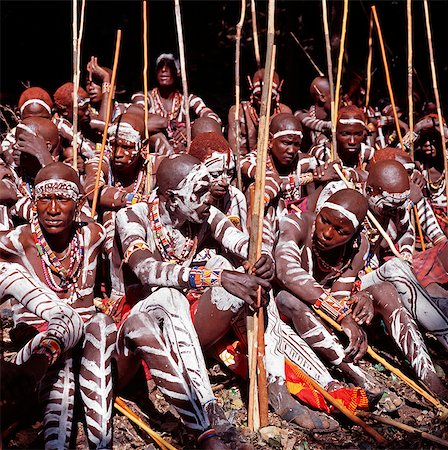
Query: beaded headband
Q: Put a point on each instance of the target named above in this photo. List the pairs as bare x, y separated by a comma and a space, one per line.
286, 133
37, 101
345, 212
124, 131
57, 187
351, 121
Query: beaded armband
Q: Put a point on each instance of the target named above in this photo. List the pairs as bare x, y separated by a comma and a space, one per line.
200, 277
135, 246
306, 178
408, 138
132, 199
105, 87
336, 309
51, 348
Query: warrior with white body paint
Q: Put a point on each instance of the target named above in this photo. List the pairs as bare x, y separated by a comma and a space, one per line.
318, 260
61, 253
249, 113
159, 241
351, 132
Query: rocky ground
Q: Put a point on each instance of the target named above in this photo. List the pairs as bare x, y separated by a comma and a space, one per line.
279, 435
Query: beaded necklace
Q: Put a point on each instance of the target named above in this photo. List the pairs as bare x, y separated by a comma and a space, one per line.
51, 264
159, 107
163, 241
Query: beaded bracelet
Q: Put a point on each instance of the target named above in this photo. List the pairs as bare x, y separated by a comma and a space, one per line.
408, 138
134, 246
306, 178
336, 309
51, 348
132, 199
200, 277
105, 87
207, 435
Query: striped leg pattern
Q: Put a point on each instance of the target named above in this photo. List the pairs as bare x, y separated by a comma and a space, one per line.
95, 379
161, 332
414, 297
57, 393
64, 323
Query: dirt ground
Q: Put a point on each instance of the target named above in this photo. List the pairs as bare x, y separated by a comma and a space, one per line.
279, 435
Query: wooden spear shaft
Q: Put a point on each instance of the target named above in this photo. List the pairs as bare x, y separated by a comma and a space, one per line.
106, 124
386, 71
390, 367
410, 73
253, 10
145, 91
239, 28
75, 84
436, 91
369, 62
321, 74
404, 427
256, 229
330, 79
183, 69
340, 62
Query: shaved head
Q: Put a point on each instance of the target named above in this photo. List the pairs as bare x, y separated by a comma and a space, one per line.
59, 171
259, 77
205, 125
285, 121
174, 169
134, 119
319, 86
352, 201
389, 176
45, 128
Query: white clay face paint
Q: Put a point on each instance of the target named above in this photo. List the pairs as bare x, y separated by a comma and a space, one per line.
192, 192
220, 166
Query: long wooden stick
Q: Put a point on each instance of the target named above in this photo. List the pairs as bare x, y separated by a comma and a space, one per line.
239, 28
340, 62
145, 92
321, 74
423, 392
75, 83
106, 124
436, 90
253, 10
183, 69
347, 413
369, 62
330, 79
410, 73
404, 427
121, 406
256, 229
386, 71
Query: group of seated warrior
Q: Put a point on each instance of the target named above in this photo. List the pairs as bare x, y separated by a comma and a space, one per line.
159, 274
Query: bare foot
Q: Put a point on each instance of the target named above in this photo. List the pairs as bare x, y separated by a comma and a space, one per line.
292, 411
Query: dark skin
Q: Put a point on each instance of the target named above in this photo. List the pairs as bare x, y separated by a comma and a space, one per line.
172, 210
8, 194
349, 139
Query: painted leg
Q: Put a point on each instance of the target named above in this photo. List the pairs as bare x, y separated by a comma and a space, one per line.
404, 331
322, 341
160, 331
95, 379
58, 395
414, 297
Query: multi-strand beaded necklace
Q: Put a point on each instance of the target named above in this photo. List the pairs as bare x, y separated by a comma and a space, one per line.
164, 243
159, 108
51, 264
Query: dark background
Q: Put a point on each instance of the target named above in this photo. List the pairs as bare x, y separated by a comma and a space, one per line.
36, 45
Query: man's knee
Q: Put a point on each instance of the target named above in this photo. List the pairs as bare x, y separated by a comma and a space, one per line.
102, 327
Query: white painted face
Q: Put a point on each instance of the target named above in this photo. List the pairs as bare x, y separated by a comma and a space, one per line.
191, 197
221, 167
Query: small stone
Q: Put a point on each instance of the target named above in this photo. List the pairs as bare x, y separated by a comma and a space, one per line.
271, 433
